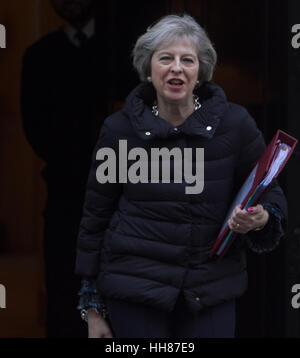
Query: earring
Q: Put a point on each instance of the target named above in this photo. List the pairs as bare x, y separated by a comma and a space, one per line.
149, 79
197, 85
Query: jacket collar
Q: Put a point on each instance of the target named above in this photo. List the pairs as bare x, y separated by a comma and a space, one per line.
202, 122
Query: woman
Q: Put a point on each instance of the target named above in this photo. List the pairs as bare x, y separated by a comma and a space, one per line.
144, 246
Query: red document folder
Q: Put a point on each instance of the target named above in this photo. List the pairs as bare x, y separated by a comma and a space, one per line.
268, 167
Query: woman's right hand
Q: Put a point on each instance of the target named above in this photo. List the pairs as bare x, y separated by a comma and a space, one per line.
97, 326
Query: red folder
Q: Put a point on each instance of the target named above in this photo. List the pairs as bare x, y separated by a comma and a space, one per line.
253, 188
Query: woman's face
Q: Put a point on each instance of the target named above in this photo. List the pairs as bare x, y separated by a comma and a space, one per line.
174, 71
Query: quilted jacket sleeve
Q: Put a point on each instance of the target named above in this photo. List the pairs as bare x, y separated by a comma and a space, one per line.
89, 295
99, 206
269, 237
273, 199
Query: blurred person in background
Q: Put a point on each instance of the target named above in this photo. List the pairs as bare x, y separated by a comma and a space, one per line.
64, 101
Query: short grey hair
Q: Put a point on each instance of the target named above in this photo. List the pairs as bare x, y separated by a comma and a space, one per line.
165, 31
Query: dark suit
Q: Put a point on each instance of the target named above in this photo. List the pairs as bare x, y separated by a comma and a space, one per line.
64, 101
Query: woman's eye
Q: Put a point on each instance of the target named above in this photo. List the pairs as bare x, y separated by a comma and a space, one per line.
165, 58
188, 60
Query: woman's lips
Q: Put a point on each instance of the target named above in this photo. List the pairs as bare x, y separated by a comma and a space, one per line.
175, 84
175, 87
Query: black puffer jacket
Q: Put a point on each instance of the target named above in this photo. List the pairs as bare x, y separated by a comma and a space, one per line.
145, 242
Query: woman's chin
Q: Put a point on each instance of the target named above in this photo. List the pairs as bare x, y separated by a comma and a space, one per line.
175, 98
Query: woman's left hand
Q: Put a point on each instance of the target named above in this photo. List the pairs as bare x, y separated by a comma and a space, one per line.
242, 221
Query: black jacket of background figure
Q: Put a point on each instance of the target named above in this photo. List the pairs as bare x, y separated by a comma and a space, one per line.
147, 242
64, 103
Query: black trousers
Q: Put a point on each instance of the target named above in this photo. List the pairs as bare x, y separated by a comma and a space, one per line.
129, 320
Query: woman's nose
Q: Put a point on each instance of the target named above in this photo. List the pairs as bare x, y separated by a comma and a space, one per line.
176, 66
